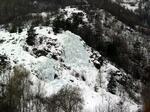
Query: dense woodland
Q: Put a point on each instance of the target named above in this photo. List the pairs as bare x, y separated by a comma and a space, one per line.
11, 10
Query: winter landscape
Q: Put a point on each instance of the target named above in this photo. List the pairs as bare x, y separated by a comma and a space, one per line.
74, 56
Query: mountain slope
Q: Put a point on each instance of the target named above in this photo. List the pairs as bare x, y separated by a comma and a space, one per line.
68, 61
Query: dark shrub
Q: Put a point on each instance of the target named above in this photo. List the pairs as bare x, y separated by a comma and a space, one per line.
112, 84
31, 36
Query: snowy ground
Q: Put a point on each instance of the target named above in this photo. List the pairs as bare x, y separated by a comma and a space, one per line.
76, 61
129, 4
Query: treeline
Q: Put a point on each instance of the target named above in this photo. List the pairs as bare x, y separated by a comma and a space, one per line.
126, 16
12, 10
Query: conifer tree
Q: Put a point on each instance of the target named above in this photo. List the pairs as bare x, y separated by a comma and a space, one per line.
31, 36
112, 84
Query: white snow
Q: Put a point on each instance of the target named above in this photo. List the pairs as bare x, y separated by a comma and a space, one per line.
129, 4
75, 55
69, 11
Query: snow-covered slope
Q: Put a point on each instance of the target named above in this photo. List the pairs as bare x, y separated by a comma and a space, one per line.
68, 60
129, 4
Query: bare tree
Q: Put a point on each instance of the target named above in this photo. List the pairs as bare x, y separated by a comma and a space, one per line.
16, 91
38, 104
68, 99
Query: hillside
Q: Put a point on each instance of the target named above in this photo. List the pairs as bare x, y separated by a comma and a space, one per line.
91, 56
73, 65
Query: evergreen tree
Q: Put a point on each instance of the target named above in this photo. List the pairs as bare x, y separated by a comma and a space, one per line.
13, 28
112, 84
19, 30
31, 36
